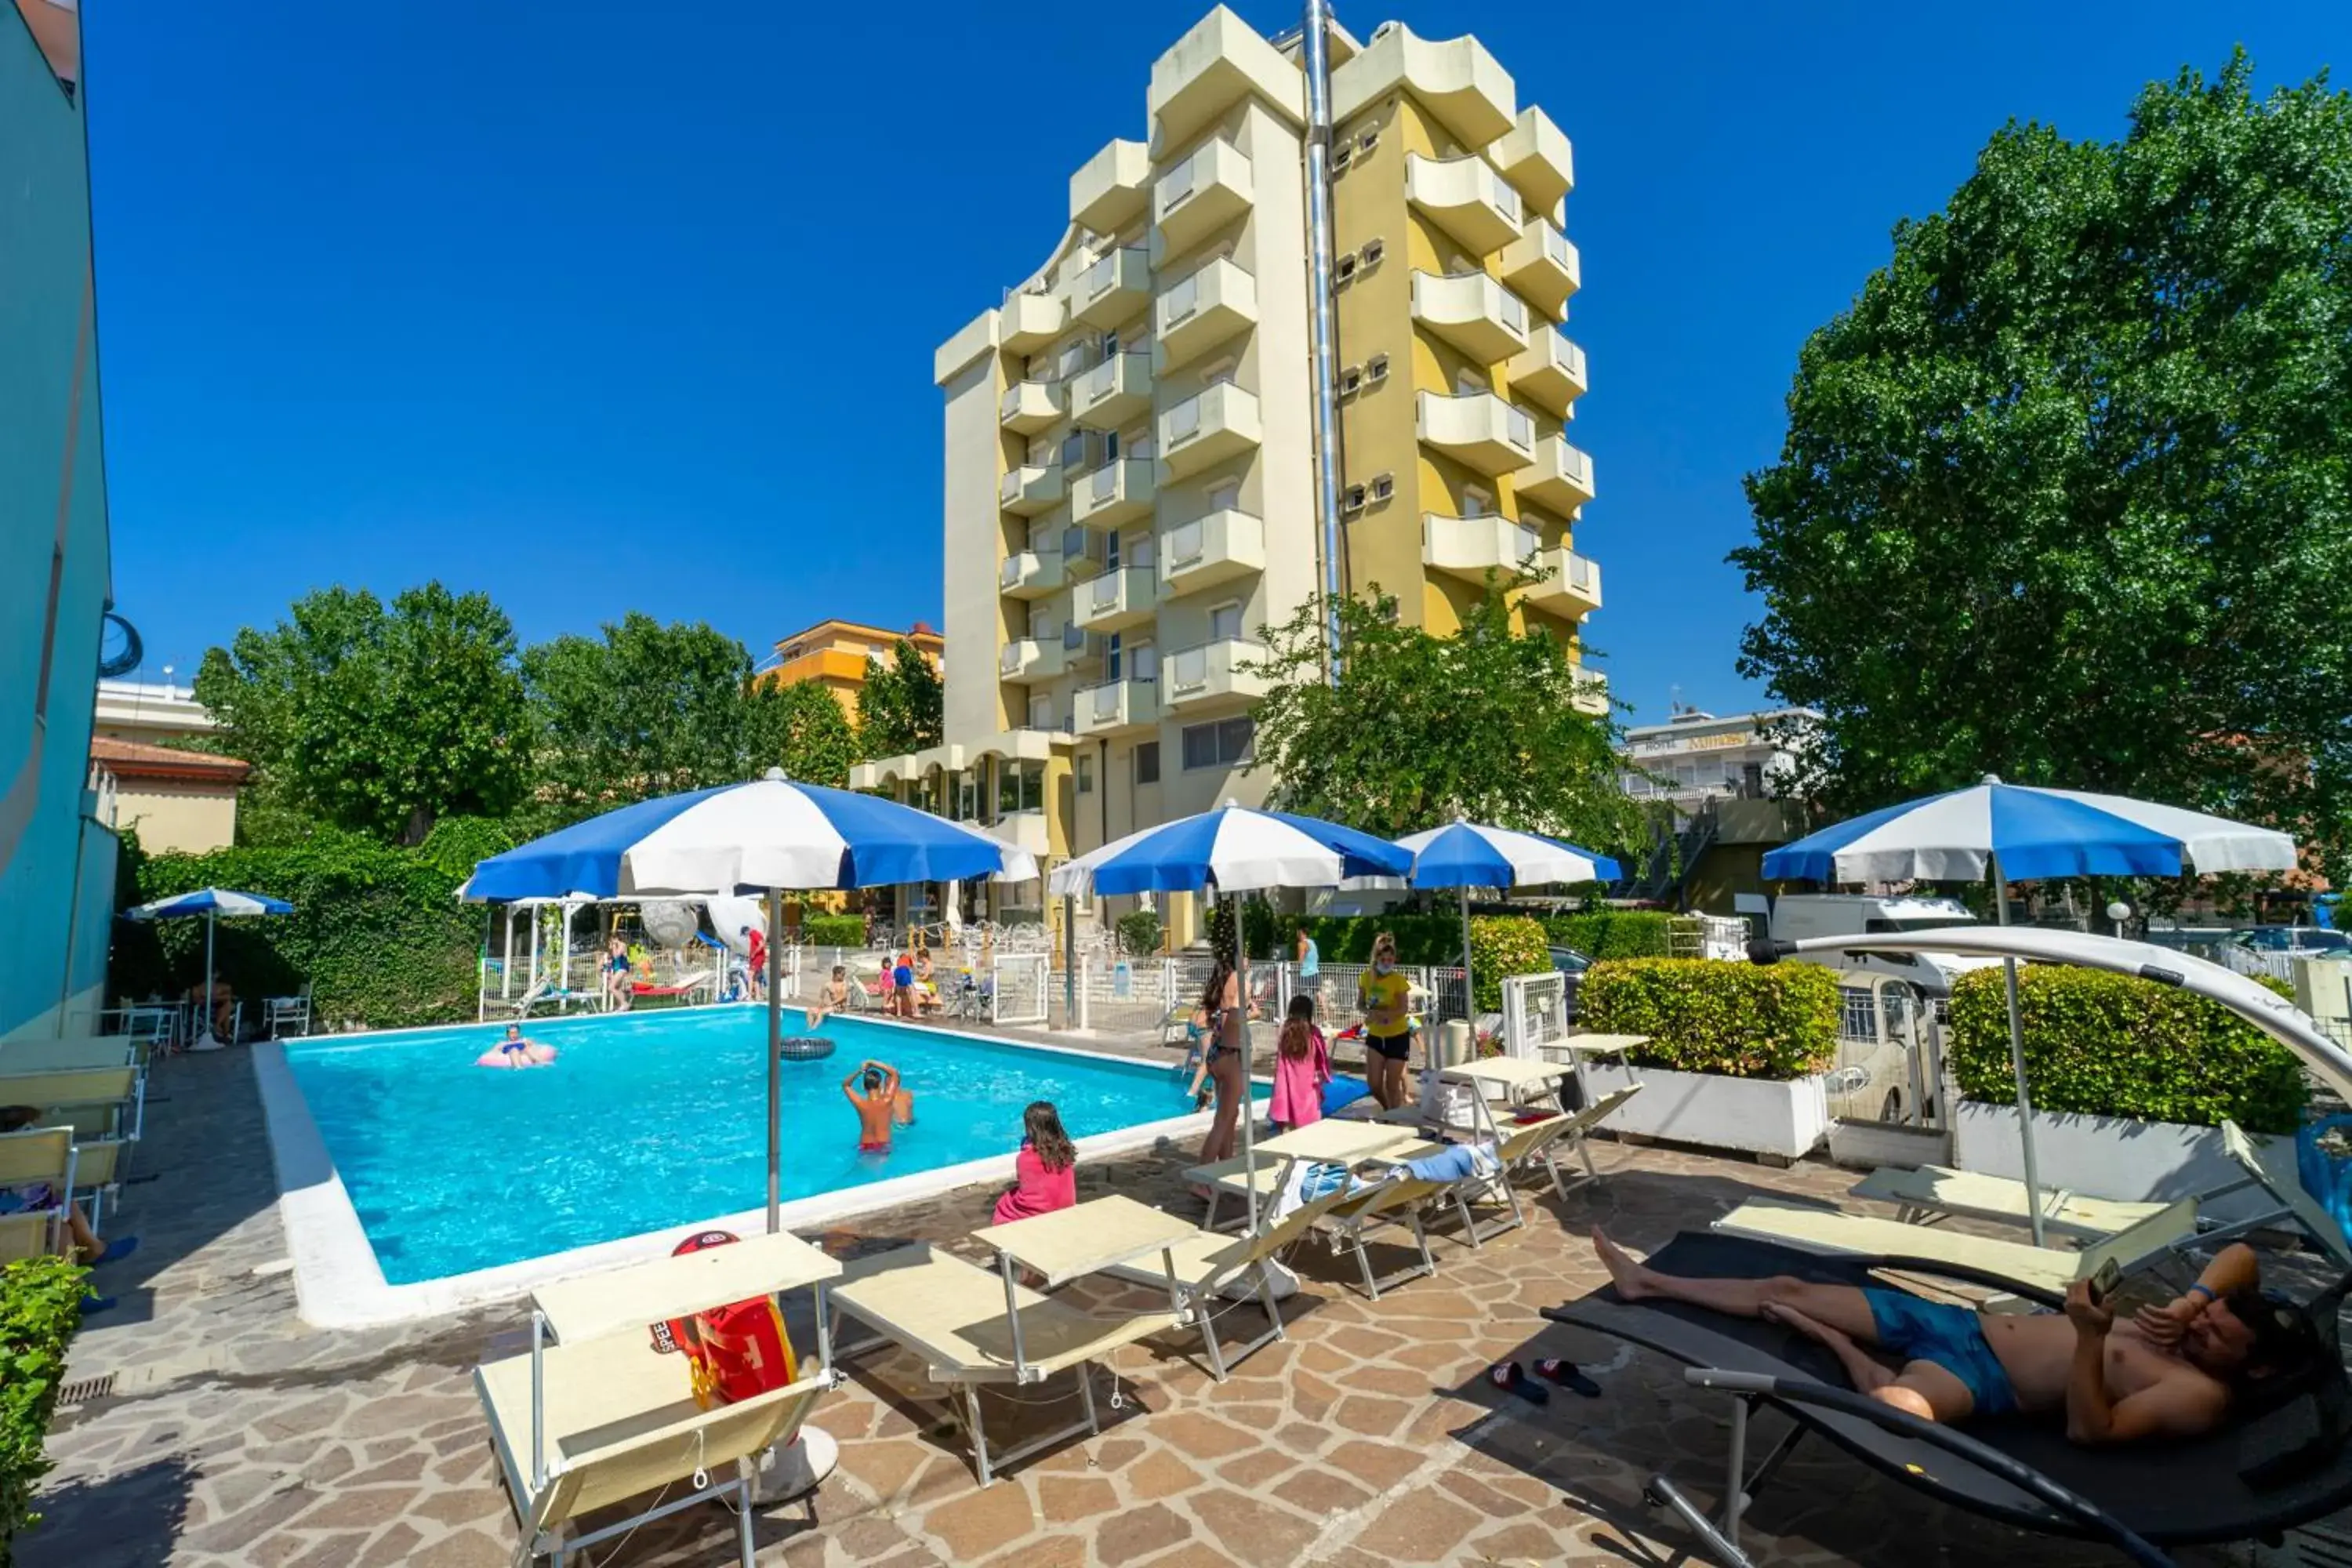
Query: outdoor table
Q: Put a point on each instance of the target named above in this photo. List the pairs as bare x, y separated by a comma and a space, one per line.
1085, 1239
1514, 1078
1336, 1141
1329, 1140
1578, 1050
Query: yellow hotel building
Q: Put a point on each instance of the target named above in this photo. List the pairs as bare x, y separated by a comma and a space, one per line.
833, 655
1131, 478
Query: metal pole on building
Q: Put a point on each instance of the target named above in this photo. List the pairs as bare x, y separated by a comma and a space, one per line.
1069, 961
1323, 323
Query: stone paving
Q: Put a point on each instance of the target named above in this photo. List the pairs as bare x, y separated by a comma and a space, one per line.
234, 1434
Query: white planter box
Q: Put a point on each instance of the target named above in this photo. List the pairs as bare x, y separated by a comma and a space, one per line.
2107, 1157
1759, 1116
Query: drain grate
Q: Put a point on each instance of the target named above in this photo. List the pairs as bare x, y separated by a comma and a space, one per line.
83, 1390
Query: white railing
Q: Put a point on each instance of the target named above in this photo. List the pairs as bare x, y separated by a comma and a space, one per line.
1182, 300
1186, 543
1514, 313
1020, 993
1518, 425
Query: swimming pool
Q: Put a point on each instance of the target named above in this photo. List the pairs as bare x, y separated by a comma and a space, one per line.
653, 1120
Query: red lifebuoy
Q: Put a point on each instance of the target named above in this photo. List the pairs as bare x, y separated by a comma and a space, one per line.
732, 1351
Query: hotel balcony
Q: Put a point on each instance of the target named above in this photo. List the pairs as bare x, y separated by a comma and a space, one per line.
1029, 658
1114, 494
1543, 266
1466, 198
1082, 553
1478, 429
1031, 322
1455, 80
1028, 406
1112, 394
1591, 692
1208, 70
1204, 191
1026, 574
1571, 587
1560, 477
1202, 309
1472, 548
1115, 288
1115, 600
1472, 312
1535, 157
1083, 650
1115, 708
1210, 551
1549, 373
1221, 423
1030, 489
1024, 830
1209, 675
1111, 188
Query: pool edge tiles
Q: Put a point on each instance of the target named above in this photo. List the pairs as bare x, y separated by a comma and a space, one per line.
339, 1282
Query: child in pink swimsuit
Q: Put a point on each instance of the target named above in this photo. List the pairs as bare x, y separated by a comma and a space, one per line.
1045, 1172
1302, 1066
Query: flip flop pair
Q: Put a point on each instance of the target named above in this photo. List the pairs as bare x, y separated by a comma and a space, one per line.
1512, 1378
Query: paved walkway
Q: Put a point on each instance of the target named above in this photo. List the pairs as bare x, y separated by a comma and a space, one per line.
234, 1434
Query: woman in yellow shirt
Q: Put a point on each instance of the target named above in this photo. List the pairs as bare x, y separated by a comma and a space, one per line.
1385, 998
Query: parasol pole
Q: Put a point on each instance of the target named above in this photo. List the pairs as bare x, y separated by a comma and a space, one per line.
775, 1060
2017, 1059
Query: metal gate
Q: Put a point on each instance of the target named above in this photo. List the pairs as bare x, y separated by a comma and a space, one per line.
1019, 993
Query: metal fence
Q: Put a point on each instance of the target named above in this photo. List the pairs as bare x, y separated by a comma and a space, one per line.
1535, 1013
1021, 993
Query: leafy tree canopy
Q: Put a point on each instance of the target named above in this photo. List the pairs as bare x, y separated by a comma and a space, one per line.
898, 709
2066, 493
1482, 724
375, 719
801, 729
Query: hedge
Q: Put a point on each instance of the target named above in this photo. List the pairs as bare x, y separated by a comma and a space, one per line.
1707, 1015
1138, 933
2115, 1044
833, 931
1500, 945
377, 932
1614, 934
40, 1308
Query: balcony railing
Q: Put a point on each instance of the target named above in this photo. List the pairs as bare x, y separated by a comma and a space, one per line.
1209, 550
1027, 575
1549, 372
1571, 587
1028, 406
1477, 429
1116, 286
1221, 423
1466, 198
1206, 191
1113, 392
1117, 707
1211, 672
1200, 310
1472, 312
1543, 266
1115, 494
1557, 476
1117, 600
1031, 488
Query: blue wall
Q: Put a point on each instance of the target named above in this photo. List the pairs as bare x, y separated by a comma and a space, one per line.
47, 346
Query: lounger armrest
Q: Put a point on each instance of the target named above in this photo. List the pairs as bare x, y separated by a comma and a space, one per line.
1847, 1402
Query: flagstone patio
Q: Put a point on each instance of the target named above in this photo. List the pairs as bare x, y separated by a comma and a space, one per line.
234, 1434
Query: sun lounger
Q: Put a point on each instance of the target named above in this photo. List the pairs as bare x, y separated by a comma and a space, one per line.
42, 1157
2272, 1468
602, 1418
111, 1099
952, 1314
1209, 1264
99, 1165
2275, 1174
1378, 1207
23, 1236
2041, 1272
70, 1054
1932, 1192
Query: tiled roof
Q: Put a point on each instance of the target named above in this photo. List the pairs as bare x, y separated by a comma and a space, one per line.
138, 760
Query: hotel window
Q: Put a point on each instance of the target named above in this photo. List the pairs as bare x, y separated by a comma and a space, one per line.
1146, 763
1372, 252
1225, 743
1225, 623
1041, 717
1226, 497
1084, 769
1376, 368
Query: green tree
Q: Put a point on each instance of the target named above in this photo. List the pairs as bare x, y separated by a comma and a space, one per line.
371, 718
1421, 728
801, 728
646, 710
898, 709
2064, 492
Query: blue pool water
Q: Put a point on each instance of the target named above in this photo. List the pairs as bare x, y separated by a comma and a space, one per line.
656, 1120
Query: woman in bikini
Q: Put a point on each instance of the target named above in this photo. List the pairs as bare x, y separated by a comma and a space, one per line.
1221, 1001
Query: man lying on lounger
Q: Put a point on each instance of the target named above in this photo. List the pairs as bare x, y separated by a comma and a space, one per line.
2170, 1371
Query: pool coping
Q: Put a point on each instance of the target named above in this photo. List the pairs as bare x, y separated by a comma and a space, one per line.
340, 1284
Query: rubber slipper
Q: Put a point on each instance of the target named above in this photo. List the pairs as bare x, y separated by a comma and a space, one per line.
91, 1306
1565, 1373
120, 1248
1512, 1378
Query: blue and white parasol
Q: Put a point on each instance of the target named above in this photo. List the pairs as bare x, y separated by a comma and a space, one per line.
1467, 855
2019, 832
1235, 849
212, 903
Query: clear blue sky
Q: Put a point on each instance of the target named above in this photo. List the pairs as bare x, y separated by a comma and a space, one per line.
539, 299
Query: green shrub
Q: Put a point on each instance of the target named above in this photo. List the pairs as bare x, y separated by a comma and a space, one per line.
1138, 933
833, 931
2115, 1044
40, 1308
1707, 1015
377, 932
1614, 934
1500, 946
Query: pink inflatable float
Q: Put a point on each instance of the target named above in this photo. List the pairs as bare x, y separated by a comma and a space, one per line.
514, 1051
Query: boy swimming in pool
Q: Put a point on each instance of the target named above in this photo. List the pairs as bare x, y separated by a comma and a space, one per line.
877, 1106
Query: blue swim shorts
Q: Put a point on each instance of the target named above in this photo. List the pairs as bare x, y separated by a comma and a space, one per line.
1952, 1337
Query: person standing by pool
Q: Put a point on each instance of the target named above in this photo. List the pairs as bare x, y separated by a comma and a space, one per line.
1310, 966
1221, 1001
902, 986
617, 995
1302, 1066
755, 945
877, 1108
1046, 1171
1385, 997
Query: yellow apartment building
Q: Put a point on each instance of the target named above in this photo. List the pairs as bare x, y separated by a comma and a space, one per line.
1131, 453
833, 655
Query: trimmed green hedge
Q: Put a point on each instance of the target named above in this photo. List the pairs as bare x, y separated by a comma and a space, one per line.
378, 932
1614, 934
1707, 1015
833, 931
1138, 933
40, 1309
2115, 1044
1500, 946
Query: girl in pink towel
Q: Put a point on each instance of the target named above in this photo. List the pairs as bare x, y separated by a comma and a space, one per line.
1045, 1172
1302, 1066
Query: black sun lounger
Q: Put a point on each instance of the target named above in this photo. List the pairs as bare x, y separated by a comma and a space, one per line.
2264, 1473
